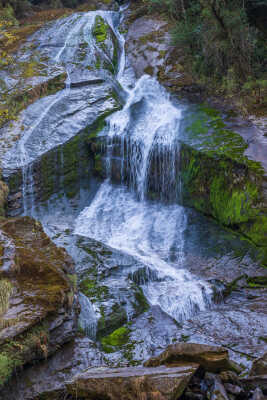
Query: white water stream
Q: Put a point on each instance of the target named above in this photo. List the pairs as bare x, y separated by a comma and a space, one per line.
125, 220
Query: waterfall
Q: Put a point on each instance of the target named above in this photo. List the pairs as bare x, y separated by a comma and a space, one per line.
148, 128
144, 136
87, 317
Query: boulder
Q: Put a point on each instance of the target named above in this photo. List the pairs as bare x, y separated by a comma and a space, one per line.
38, 306
134, 383
211, 358
259, 366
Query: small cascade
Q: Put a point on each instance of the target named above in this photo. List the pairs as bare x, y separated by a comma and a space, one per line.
38, 124
147, 129
87, 317
153, 233
8, 258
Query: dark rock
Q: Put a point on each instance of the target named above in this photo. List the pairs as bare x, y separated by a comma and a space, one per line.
259, 366
211, 358
253, 382
193, 396
229, 377
233, 389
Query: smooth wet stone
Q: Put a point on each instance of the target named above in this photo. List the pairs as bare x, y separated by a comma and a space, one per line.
159, 383
211, 358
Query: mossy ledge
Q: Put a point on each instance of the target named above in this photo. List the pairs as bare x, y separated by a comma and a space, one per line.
230, 191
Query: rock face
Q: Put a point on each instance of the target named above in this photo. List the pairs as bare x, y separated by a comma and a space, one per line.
69, 94
148, 46
38, 301
132, 383
211, 358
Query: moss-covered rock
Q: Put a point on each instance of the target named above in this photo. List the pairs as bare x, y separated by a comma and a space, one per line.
219, 180
35, 274
115, 340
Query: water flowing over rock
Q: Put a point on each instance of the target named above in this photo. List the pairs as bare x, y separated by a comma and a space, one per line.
108, 163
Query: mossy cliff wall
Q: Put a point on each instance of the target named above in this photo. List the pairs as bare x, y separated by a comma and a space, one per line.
230, 191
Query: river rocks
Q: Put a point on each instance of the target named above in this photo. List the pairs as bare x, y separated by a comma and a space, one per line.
132, 383
38, 300
211, 358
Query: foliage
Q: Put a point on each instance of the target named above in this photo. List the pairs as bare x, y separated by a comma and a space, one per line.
224, 40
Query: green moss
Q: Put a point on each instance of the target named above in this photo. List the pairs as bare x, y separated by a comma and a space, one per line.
141, 305
6, 368
232, 206
115, 340
257, 282
15, 353
98, 62
100, 29
207, 131
92, 289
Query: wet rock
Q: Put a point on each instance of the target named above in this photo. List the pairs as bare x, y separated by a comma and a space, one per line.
228, 377
226, 325
254, 382
233, 389
106, 278
259, 366
211, 358
193, 396
132, 383
258, 395
148, 45
49, 378
218, 391
38, 295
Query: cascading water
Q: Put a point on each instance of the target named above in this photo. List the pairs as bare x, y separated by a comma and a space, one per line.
146, 131
38, 127
144, 138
